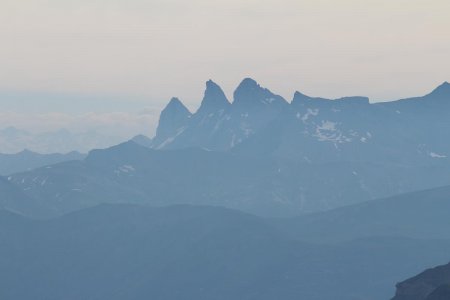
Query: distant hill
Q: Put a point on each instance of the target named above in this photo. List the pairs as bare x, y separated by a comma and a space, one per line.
142, 140
14, 199
191, 252
13, 140
422, 214
27, 160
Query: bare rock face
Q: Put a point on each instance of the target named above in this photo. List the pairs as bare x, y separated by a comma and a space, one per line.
441, 293
432, 284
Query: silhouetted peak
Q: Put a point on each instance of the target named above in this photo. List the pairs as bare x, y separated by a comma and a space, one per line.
211, 85
214, 98
250, 93
442, 90
26, 152
174, 116
176, 105
175, 109
248, 83
299, 98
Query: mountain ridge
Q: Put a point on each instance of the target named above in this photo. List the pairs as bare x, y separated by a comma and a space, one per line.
318, 129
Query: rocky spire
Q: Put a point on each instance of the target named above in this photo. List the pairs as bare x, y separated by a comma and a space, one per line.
174, 116
214, 99
250, 94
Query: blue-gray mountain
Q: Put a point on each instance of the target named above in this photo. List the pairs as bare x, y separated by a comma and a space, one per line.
14, 199
262, 155
13, 140
259, 122
27, 160
420, 215
190, 252
262, 185
432, 284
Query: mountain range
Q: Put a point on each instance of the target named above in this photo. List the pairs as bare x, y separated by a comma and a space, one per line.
14, 140
266, 186
259, 198
260, 154
311, 129
27, 160
195, 252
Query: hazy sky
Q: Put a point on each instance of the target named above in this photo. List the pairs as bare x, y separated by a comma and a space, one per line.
131, 56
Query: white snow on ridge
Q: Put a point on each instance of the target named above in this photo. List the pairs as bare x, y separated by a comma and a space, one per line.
171, 139
435, 155
269, 100
328, 125
328, 132
309, 112
127, 168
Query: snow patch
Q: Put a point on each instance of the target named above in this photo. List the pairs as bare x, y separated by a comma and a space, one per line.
436, 155
309, 112
270, 100
171, 139
127, 168
328, 132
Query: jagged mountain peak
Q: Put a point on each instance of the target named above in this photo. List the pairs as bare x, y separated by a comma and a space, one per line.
214, 98
175, 104
174, 116
299, 98
249, 83
250, 94
442, 90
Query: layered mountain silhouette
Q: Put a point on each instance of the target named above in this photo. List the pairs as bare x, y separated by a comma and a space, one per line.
262, 185
194, 252
13, 199
420, 215
218, 124
27, 160
13, 140
258, 198
310, 129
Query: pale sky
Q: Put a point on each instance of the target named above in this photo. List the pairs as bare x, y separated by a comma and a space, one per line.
131, 55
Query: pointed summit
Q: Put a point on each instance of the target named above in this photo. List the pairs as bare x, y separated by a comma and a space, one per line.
248, 83
175, 105
444, 88
249, 94
214, 99
299, 98
174, 116
441, 94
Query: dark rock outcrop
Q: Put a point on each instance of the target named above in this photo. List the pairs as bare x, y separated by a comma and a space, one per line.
432, 284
